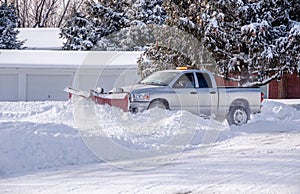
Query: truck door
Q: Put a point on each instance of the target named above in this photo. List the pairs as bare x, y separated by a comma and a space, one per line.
207, 95
185, 93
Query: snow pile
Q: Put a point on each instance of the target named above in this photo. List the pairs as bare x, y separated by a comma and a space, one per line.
116, 136
30, 146
275, 117
276, 111
43, 135
37, 112
143, 131
39, 136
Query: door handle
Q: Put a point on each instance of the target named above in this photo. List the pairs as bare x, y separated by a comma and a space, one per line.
193, 92
213, 92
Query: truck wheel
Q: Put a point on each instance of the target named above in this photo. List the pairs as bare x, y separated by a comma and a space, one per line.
157, 104
238, 115
160, 113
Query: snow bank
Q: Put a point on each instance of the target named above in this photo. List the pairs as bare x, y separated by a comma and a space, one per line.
30, 146
143, 131
43, 135
275, 117
39, 136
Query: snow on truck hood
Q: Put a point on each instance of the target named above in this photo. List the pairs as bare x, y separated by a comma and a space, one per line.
140, 87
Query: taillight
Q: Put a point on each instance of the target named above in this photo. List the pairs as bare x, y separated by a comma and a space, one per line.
261, 97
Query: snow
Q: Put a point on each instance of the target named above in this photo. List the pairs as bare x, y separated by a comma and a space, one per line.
35, 38
66, 59
45, 147
38, 136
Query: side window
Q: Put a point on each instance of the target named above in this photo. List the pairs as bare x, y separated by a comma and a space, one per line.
204, 80
185, 81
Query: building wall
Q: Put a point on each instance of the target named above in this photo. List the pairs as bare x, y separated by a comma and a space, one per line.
288, 87
222, 82
43, 75
48, 84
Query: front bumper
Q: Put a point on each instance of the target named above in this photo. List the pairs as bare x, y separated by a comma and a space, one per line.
135, 107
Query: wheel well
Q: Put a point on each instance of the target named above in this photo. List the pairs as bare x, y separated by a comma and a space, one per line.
240, 102
164, 101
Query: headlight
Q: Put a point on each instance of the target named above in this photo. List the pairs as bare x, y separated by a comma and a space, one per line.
141, 97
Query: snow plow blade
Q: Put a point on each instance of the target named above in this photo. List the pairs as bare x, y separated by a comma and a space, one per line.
119, 100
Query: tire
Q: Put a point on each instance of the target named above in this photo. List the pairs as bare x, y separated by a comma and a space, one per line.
157, 104
238, 115
160, 113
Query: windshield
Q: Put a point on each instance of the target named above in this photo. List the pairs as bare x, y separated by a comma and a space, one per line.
160, 78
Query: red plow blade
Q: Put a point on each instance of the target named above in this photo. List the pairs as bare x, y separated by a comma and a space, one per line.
120, 100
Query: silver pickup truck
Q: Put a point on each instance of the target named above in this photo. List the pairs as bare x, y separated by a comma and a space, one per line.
195, 91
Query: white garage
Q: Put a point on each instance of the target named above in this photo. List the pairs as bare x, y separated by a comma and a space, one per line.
34, 75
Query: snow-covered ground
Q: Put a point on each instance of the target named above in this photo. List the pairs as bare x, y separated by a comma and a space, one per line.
51, 147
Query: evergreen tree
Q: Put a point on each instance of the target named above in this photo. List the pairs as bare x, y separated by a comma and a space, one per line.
158, 58
80, 33
8, 33
143, 16
252, 42
95, 21
148, 12
173, 48
116, 25
179, 45
108, 16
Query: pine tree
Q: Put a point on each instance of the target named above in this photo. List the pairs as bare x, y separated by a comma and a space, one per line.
179, 45
95, 21
115, 25
79, 33
8, 33
148, 12
143, 16
252, 42
161, 58
173, 48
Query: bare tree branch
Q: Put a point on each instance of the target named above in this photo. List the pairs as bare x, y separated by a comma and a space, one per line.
44, 13
64, 13
50, 9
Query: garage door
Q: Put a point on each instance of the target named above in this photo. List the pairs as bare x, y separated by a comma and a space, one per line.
47, 87
9, 87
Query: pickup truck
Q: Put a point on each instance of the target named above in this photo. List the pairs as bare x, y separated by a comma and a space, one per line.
195, 91
192, 90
